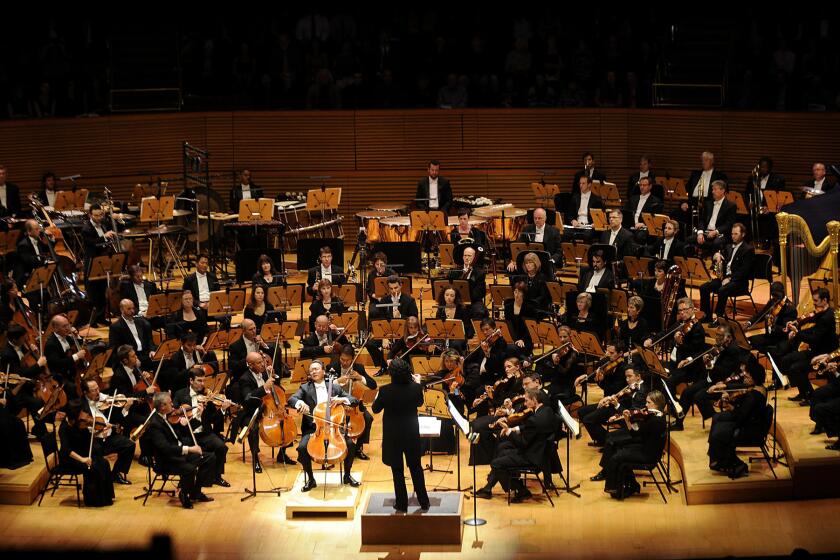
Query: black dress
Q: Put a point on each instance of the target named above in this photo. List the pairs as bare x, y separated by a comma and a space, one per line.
98, 487
14, 445
632, 336
177, 325
462, 315
259, 320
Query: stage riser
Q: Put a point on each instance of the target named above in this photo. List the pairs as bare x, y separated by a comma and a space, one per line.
441, 525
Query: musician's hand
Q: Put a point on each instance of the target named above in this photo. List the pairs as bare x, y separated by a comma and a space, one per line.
328, 348
194, 449
520, 344
60, 415
79, 355
200, 349
42, 361
304, 409
343, 379
110, 234
725, 281
432, 348
476, 402
183, 421
87, 461
717, 257
416, 377
682, 363
678, 338
315, 287
507, 403
684, 206
626, 414
152, 354
712, 233
511, 266
819, 358
579, 380
269, 384
791, 334
454, 385
575, 223
507, 431
599, 376
832, 367
203, 305
604, 402
127, 404
648, 343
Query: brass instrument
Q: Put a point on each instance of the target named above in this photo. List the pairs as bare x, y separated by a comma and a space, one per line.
669, 293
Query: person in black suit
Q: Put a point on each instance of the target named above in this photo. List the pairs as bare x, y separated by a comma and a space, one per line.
433, 191
133, 331
737, 259
325, 269
76, 455
249, 342
821, 339
642, 203
594, 416
540, 232
174, 455
401, 432
582, 318
380, 270
10, 360
475, 275
767, 180
690, 344
487, 365
821, 181
324, 340
618, 236
597, 276
578, 212
175, 374
405, 304
137, 289
635, 180
201, 282
774, 326
464, 232
524, 445
61, 354
126, 374
9, 196
98, 238
699, 185
670, 245
536, 290
589, 171
717, 220
206, 419
47, 193
245, 190
32, 251
359, 378
639, 441
517, 309
306, 398
109, 439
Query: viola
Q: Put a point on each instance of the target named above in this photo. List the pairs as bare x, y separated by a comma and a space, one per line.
184, 411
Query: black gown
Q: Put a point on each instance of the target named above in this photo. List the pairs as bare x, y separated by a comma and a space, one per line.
14, 445
98, 486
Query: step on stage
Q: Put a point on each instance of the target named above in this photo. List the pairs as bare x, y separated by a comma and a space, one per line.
441, 525
330, 499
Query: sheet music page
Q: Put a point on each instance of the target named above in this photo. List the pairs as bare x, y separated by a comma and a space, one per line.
779, 375
462, 422
429, 426
572, 424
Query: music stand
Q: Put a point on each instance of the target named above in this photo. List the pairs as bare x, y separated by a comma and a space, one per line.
70, 200
445, 329
544, 334
40, 277
524, 246
586, 343
428, 221
256, 210
349, 321
573, 427
323, 199
499, 293
279, 333
388, 329
153, 209
692, 268
544, 192
347, 293
224, 303
221, 340
737, 333
434, 405
166, 348
283, 298
635, 267
161, 305
783, 381
460, 286
655, 223
425, 365
446, 254
8, 241
104, 268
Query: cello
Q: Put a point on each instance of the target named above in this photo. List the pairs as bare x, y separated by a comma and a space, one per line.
355, 416
327, 446
277, 427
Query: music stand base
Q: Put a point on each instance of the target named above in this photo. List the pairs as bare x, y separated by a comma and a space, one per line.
253, 493
475, 522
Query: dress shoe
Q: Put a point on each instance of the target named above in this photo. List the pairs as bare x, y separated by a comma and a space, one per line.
425, 507
550, 486
400, 510
677, 426
817, 431
795, 398
257, 468
185, 500
595, 444
738, 471
308, 485
349, 480
632, 488
119, 478
287, 460
805, 402
201, 497
598, 477
361, 455
834, 446
143, 460
484, 493
221, 482
521, 496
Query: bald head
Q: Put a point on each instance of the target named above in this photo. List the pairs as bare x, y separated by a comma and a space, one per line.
127, 308
255, 362
322, 324
249, 329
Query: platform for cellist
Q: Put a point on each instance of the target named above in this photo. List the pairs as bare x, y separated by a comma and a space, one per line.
330, 499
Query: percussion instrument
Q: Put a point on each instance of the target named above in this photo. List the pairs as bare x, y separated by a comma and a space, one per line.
389, 207
370, 221
398, 229
503, 228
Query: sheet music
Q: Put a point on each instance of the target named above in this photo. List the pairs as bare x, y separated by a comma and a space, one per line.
674, 403
779, 375
570, 422
460, 421
429, 426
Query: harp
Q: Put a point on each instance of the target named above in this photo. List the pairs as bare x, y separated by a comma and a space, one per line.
807, 264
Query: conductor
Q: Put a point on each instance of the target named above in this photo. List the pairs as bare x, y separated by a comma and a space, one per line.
401, 432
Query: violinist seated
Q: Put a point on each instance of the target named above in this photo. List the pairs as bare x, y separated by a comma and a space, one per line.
189, 318
326, 340
16, 354
476, 277
489, 359
522, 446
255, 383
641, 439
324, 269
498, 401
325, 303
133, 331
687, 345
127, 373
205, 422
251, 342
517, 309
98, 238
77, 456
740, 422
461, 384
722, 361
395, 304
380, 269
737, 261
808, 336
202, 282
632, 396
608, 374
175, 453
414, 343
774, 316
451, 307
14, 449
361, 382
598, 276
825, 402
62, 352
308, 396
138, 290
561, 369
634, 329
191, 356
32, 252
94, 403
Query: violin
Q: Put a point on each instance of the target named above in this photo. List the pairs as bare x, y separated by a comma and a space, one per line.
183, 411
86, 421
513, 419
144, 383
422, 340
635, 415
800, 322
51, 393
116, 400
822, 365
491, 339
729, 396
490, 391
327, 444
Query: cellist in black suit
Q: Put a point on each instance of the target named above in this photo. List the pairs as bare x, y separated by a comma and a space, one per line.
401, 432
306, 398
360, 378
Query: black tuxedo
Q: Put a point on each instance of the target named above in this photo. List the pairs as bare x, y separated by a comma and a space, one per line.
407, 308
237, 352
653, 205
128, 291
10, 361
236, 196
677, 249
552, 240
306, 393
695, 178
12, 207
114, 443
370, 383
607, 280
594, 173
629, 447
623, 242
119, 334
727, 215
95, 246
633, 185
444, 194
401, 437
312, 348
739, 276
527, 447
821, 338
775, 182
58, 362
175, 375
28, 260
478, 289
167, 442
478, 236
828, 184
335, 271
206, 430
572, 210
593, 417
191, 284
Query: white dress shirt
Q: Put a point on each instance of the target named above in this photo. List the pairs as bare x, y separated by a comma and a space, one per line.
703, 184
203, 287
326, 273
593, 282
51, 198
818, 185
732, 258
434, 202
99, 231
246, 192
132, 326
65, 346
715, 211
666, 247
35, 246
613, 235
250, 345
196, 413
539, 235
638, 214
583, 209
142, 300
3, 200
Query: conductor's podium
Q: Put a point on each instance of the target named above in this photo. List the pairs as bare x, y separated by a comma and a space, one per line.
441, 525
